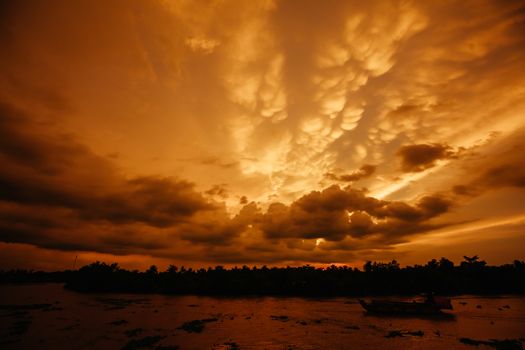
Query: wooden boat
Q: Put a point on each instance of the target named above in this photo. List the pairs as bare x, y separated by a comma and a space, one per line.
430, 306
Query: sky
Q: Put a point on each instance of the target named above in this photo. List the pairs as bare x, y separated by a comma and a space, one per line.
205, 133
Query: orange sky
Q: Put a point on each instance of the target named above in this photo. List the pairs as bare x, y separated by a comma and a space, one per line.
261, 132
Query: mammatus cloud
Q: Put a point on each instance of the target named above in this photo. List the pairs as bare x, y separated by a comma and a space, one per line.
216, 133
130, 215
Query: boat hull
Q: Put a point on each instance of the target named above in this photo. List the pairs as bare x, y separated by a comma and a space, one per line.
400, 308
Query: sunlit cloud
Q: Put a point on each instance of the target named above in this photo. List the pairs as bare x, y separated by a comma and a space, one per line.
274, 132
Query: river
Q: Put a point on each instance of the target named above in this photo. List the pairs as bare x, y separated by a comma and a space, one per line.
46, 316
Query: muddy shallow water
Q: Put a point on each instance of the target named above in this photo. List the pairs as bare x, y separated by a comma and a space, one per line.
45, 316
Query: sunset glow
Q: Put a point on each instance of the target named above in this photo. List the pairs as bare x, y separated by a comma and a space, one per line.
261, 132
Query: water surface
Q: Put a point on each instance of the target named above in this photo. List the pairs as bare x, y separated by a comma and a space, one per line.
46, 316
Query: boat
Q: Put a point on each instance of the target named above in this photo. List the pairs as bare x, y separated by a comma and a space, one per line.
430, 306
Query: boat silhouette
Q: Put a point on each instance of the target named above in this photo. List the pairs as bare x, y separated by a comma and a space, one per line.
430, 306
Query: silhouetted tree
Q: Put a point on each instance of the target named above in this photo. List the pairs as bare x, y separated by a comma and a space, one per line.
446, 264
152, 270
472, 262
172, 269
473, 276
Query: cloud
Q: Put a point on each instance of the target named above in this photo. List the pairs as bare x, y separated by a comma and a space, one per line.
215, 161
216, 228
154, 201
220, 190
243, 200
50, 184
335, 213
268, 101
497, 167
204, 45
52, 198
426, 208
506, 174
107, 212
419, 157
363, 172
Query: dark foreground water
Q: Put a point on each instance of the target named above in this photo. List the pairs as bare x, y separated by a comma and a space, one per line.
45, 316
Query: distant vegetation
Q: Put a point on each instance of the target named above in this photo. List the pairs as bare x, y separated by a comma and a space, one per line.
472, 276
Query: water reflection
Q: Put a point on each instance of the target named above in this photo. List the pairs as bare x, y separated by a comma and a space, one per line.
49, 317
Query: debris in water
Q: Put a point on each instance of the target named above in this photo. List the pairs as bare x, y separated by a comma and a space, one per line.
505, 344
142, 343
282, 318
130, 333
196, 326
24, 306
396, 333
167, 347
118, 322
232, 345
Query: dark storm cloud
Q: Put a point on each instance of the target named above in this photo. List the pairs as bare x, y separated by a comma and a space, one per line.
335, 213
363, 172
419, 157
160, 202
216, 228
243, 200
21, 145
218, 190
50, 173
48, 227
292, 90
503, 167
57, 194
57, 171
426, 208
507, 174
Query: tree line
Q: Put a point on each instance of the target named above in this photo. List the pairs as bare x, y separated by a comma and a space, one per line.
471, 276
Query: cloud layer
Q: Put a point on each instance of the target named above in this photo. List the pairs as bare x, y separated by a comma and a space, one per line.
257, 132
